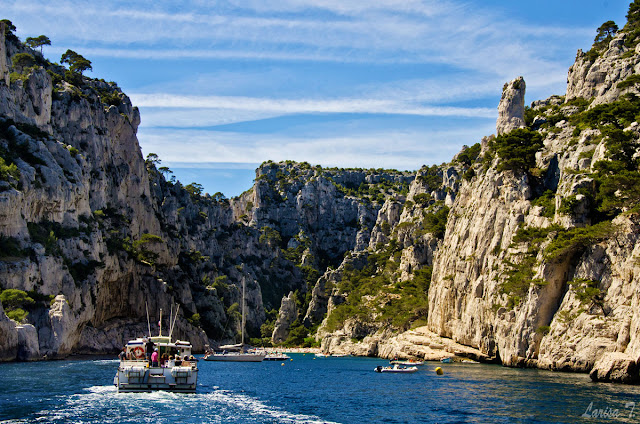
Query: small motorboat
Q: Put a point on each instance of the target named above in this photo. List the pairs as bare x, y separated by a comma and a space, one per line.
276, 356
446, 360
235, 353
395, 369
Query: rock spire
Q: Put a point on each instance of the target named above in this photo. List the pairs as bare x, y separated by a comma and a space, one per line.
511, 107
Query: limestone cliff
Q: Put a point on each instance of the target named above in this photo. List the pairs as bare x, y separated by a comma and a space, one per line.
538, 265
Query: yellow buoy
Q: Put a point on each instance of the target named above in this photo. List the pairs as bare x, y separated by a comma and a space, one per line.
291, 359
282, 364
439, 371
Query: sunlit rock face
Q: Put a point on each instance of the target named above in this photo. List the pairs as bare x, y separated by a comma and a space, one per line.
511, 107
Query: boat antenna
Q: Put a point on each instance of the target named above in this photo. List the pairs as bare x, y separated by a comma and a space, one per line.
174, 321
160, 323
170, 318
148, 323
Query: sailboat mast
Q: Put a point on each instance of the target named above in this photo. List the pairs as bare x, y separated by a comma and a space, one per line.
243, 308
148, 322
160, 323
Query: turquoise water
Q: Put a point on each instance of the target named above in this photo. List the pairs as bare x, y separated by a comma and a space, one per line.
308, 390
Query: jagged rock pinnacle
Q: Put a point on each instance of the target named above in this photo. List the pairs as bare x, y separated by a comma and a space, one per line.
511, 107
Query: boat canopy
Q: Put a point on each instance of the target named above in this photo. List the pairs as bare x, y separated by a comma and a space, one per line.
137, 348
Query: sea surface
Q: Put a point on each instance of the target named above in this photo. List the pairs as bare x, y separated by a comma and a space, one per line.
314, 390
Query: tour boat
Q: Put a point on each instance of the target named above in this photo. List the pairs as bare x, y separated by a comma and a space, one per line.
135, 373
395, 369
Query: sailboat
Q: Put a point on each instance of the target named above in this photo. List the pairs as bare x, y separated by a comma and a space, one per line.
237, 352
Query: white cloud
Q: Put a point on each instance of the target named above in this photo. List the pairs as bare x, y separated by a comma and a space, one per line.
270, 106
388, 149
352, 31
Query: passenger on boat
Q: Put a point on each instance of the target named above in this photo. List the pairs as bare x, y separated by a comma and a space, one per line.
185, 361
123, 354
154, 358
149, 350
172, 362
163, 360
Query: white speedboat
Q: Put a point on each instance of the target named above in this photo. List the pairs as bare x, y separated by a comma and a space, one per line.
240, 355
395, 369
135, 373
277, 356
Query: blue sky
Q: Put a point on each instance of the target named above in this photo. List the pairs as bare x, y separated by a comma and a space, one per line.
225, 85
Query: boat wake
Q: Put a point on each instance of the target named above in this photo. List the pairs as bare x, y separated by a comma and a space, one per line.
104, 404
259, 410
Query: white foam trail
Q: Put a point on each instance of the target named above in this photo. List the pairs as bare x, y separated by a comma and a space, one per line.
219, 406
258, 408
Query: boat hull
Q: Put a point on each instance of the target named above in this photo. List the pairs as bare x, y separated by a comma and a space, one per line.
277, 358
140, 378
235, 357
407, 363
395, 369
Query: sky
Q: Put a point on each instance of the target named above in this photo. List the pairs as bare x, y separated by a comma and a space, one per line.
223, 86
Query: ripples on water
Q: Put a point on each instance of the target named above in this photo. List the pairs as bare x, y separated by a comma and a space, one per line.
308, 390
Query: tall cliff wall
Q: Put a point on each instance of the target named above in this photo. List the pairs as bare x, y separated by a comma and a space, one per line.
538, 265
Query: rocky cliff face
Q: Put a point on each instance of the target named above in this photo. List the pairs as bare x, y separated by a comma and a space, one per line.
512, 279
597, 74
538, 265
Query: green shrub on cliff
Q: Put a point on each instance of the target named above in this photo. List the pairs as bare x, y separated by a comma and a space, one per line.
430, 176
373, 295
617, 179
548, 203
435, 222
517, 149
587, 291
8, 172
618, 114
633, 16
13, 302
468, 155
10, 248
519, 270
22, 62
631, 81
574, 241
